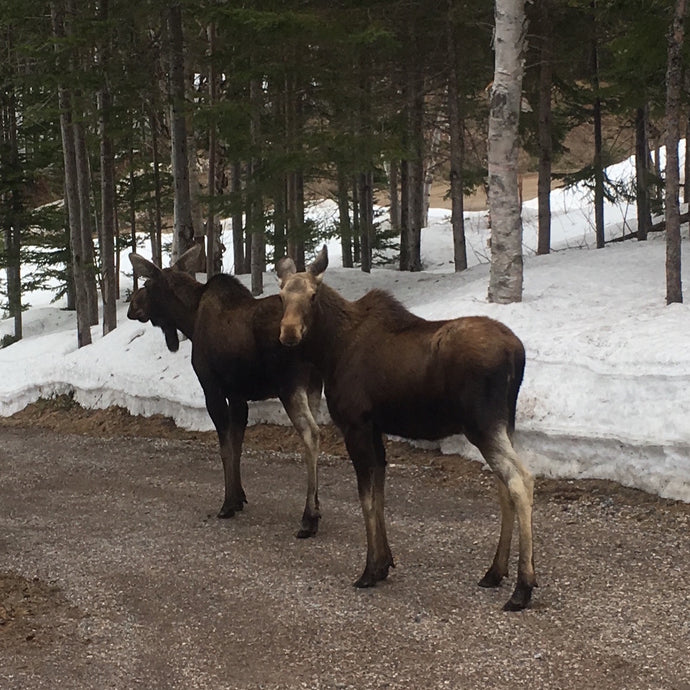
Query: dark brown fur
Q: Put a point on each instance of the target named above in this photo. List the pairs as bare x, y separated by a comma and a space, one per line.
237, 357
386, 370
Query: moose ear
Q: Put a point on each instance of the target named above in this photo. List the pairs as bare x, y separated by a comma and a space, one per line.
285, 267
189, 261
320, 264
143, 268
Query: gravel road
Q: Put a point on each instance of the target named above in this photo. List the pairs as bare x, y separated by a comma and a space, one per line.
115, 573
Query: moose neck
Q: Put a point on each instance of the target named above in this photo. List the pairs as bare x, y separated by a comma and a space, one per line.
333, 320
183, 310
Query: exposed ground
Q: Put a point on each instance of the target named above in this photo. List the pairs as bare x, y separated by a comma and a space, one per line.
114, 571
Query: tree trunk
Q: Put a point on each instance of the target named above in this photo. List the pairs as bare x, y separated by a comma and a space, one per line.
505, 280
300, 247
344, 219
686, 167
394, 194
404, 214
107, 226
295, 217
457, 154
598, 145
183, 231
212, 223
644, 218
545, 126
237, 227
280, 220
295, 180
194, 179
84, 191
13, 216
157, 225
356, 249
132, 210
366, 220
415, 178
71, 189
257, 227
674, 288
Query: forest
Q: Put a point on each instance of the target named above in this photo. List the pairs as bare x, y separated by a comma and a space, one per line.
125, 119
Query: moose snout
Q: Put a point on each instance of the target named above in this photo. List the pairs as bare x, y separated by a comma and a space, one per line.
136, 313
139, 306
291, 334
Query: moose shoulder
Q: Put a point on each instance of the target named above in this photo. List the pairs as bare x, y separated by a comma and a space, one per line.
237, 357
386, 370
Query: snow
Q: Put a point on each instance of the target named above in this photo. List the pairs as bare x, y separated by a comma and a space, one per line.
607, 385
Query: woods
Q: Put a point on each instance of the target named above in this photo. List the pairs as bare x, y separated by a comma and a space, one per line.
124, 119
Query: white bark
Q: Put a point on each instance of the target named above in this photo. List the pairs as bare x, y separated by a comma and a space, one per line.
505, 282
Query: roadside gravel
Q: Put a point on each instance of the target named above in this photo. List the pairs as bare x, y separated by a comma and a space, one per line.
115, 573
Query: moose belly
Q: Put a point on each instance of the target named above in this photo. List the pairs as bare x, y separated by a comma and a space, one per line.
419, 419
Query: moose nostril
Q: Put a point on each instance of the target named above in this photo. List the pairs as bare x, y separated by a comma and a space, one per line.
289, 338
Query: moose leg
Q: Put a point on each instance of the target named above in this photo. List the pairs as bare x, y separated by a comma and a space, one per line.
230, 422
297, 406
519, 487
366, 450
499, 567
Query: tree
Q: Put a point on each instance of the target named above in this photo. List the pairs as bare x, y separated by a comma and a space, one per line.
674, 289
505, 280
183, 234
545, 126
11, 176
457, 149
106, 234
598, 163
61, 32
642, 163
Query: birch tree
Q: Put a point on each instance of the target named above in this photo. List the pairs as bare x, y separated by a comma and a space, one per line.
107, 226
505, 279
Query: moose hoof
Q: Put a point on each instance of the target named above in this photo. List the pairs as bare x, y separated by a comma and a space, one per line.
370, 578
230, 508
310, 526
519, 599
306, 532
492, 578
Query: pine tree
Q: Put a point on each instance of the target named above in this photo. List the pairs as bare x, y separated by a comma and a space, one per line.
674, 289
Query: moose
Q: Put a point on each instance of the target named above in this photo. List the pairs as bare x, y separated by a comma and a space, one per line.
386, 370
237, 357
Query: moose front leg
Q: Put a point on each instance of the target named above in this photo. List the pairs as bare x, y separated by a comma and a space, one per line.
297, 406
366, 450
230, 421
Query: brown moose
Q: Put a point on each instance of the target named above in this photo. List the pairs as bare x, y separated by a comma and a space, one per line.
386, 370
237, 357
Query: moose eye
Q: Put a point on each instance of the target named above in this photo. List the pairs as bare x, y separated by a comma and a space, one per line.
313, 296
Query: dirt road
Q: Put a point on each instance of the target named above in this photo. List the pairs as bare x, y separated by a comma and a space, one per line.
115, 573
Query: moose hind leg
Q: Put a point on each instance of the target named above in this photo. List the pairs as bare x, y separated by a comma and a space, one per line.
366, 450
297, 407
519, 487
499, 567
